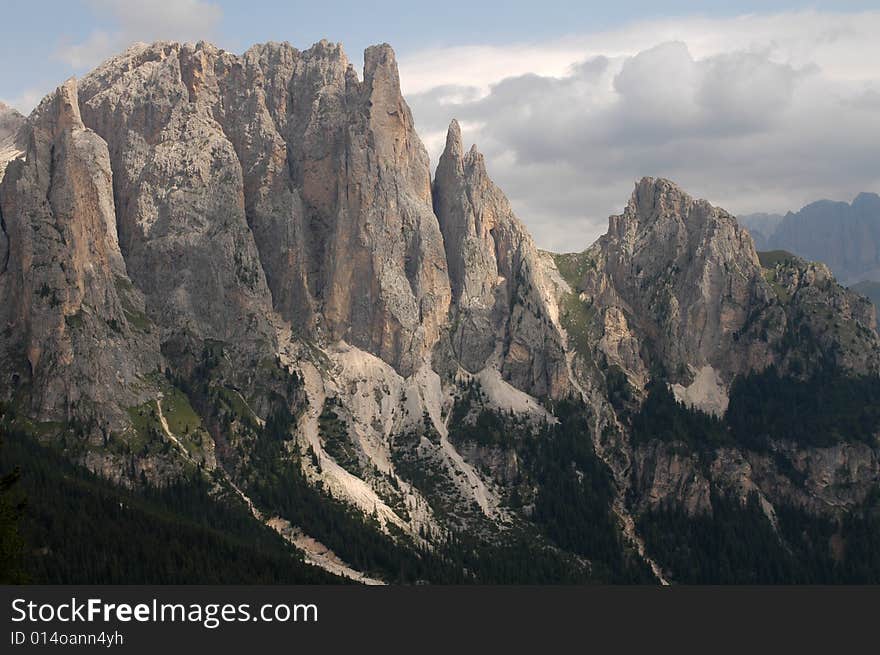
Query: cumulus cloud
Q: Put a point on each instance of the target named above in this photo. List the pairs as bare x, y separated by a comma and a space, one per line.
757, 113
128, 22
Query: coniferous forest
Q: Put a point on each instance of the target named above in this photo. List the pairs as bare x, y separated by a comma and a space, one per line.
59, 523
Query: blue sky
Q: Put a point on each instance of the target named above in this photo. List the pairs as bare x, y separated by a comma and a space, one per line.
757, 106
31, 60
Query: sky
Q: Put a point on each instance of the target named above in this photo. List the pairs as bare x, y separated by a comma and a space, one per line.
756, 106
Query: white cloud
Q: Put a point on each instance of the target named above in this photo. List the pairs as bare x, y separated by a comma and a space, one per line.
754, 113
180, 20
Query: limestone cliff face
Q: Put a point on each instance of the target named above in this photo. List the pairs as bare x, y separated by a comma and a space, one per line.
823, 321
826, 482
503, 305
675, 289
69, 343
676, 285
179, 199
288, 183
685, 275
667, 473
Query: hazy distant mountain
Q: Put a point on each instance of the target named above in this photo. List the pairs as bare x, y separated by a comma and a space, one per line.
760, 226
846, 236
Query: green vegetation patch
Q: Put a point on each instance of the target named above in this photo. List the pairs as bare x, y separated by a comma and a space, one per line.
135, 317
772, 277
579, 320
146, 427
183, 422
770, 258
573, 266
337, 443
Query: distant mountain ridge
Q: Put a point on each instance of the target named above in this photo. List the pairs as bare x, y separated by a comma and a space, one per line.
760, 226
845, 236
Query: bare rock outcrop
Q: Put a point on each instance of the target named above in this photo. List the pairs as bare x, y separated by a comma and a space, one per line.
504, 305
675, 285
686, 275
264, 228
72, 340
287, 175
669, 475
179, 199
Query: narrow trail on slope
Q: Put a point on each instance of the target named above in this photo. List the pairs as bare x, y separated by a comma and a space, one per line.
168, 433
314, 552
254, 415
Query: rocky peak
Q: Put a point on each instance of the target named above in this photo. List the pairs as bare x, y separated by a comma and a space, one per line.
315, 182
66, 107
183, 204
10, 119
466, 222
505, 310
391, 121
382, 80
867, 202
65, 300
659, 209
178, 188
686, 268
678, 287
454, 148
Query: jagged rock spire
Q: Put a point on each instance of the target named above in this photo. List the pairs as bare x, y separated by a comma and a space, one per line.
64, 289
500, 294
454, 148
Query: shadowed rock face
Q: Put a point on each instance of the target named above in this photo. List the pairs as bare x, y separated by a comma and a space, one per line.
689, 274
678, 281
293, 185
503, 303
11, 146
65, 299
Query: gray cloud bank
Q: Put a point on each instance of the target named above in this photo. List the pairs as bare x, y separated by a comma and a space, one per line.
746, 128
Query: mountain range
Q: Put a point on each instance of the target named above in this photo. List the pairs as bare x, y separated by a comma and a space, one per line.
238, 311
846, 236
